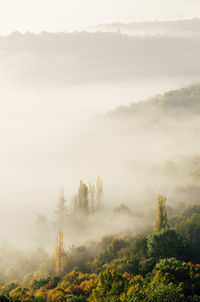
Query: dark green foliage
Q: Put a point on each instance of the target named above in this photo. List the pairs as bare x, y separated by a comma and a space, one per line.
3, 299
175, 269
190, 230
78, 258
111, 251
164, 244
190, 210
49, 283
147, 265
125, 264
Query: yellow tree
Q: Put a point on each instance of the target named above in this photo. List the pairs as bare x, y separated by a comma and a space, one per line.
161, 221
59, 251
99, 193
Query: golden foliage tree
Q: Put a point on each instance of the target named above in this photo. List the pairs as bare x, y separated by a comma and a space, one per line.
161, 221
59, 252
99, 193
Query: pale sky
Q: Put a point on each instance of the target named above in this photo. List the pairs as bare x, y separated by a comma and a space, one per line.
61, 15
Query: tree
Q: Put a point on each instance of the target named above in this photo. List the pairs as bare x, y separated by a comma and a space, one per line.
91, 198
164, 293
59, 252
61, 206
171, 270
166, 244
161, 221
99, 193
189, 229
109, 288
82, 198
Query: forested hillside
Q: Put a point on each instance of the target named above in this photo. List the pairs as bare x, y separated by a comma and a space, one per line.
176, 103
149, 250
160, 263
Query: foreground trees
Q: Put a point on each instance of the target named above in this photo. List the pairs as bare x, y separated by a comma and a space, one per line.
146, 267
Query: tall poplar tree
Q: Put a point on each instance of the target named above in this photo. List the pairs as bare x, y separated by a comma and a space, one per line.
82, 198
161, 221
99, 193
59, 252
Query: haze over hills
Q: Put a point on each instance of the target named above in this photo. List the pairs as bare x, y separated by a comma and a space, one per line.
78, 58
99, 150
53, 88
175, 28
147, 140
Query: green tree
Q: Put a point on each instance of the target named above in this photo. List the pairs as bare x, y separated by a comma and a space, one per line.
171, 270
161, 221
166, 244
164, 293
110, 287
189, 229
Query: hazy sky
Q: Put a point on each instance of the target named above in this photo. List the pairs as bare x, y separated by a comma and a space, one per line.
59, 15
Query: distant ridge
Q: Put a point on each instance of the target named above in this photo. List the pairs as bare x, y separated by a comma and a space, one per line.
174, 102
167, 28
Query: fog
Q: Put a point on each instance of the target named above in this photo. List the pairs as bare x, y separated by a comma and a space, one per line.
173, 28
81, 105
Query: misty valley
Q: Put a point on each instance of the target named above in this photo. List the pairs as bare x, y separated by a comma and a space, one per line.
100, 164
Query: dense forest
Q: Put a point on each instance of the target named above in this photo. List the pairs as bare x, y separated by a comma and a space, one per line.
158, 263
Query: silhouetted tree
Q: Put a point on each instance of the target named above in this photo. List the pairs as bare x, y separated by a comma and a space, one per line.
61, 206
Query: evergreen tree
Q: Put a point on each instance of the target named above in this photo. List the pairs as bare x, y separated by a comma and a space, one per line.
161, 221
